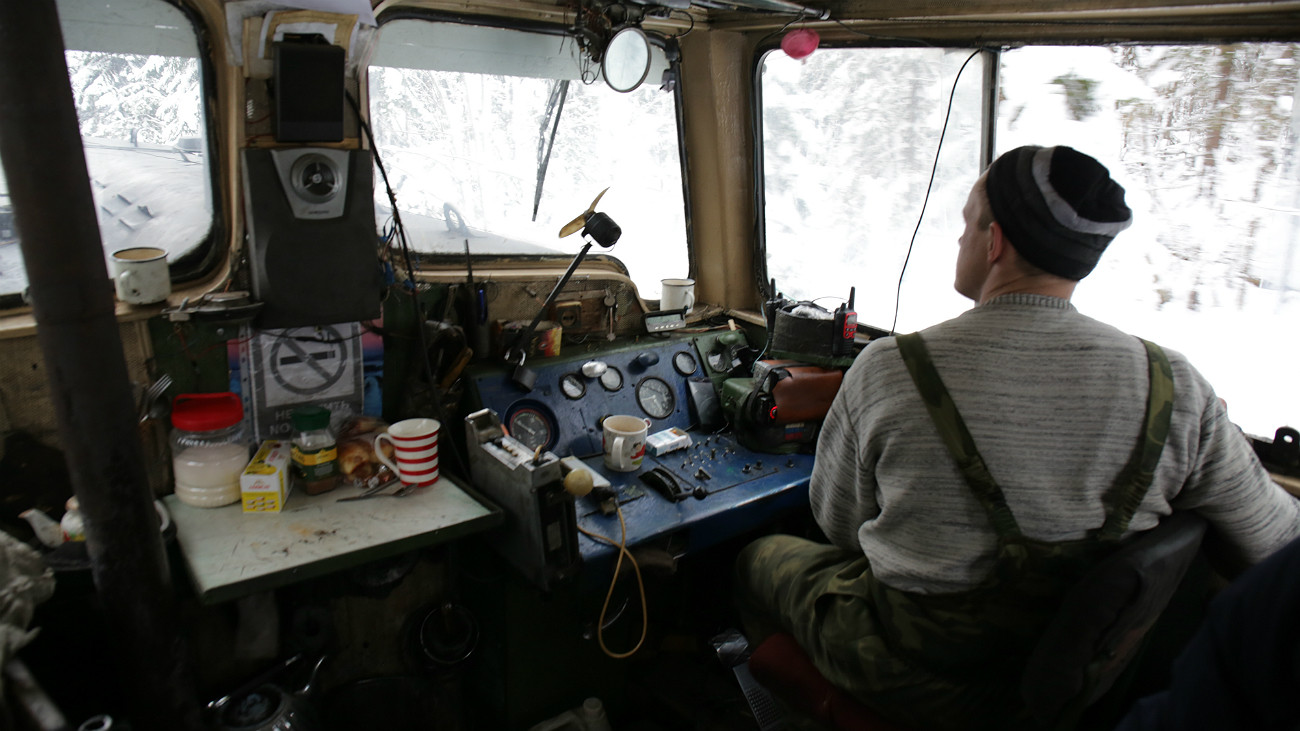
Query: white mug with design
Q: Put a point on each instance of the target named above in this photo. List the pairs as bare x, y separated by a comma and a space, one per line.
140, 275
415, 449
623, 438
678, 294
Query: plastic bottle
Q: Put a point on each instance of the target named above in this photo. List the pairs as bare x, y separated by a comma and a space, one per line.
315, 456
209, 448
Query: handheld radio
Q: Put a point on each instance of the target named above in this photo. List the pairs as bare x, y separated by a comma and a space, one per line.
846, 327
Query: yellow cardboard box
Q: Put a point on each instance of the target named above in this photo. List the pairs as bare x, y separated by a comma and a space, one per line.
264, 486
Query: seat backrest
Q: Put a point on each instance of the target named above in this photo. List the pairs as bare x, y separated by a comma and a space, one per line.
1103, 619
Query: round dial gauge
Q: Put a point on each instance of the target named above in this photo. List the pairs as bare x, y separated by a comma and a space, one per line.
684, 363
573, 386
612, 379
655, 397
531, 427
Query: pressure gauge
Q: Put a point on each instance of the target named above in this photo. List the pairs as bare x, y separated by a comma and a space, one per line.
572, 386
612, 379
531, 427
655, 397
684, 363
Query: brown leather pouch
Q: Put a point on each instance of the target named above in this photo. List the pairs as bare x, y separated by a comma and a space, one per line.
801, 392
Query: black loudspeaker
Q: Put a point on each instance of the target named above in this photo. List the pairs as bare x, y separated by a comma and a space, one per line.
312, 245
308, 90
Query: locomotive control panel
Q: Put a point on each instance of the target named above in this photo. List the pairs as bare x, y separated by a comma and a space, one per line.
681, 501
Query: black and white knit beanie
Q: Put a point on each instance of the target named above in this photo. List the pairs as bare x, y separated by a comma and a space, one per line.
1059, 207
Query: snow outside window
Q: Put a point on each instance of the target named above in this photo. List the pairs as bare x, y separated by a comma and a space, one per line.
1203, 138
136, 83
478, 126
849, 139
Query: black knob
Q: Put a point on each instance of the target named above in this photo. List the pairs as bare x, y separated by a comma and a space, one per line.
647, 359
699, 492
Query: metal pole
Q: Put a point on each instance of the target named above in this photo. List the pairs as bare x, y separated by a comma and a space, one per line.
72, 301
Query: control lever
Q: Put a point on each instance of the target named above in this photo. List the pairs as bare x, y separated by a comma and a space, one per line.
669, 486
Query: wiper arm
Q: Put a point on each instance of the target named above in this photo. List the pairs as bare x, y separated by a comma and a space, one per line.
546, 138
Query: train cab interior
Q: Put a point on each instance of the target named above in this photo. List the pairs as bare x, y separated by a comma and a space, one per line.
562, 289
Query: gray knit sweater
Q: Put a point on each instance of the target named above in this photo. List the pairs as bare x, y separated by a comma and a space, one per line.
1054, 401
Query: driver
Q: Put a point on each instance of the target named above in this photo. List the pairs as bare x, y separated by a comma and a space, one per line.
1072, 435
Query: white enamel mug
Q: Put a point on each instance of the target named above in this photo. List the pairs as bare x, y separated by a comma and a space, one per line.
140, 275
623, 439
678, 294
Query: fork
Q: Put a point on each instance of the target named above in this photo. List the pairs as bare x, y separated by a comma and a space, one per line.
152, 394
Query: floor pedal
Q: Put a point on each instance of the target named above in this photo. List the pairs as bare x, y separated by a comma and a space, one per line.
761, 702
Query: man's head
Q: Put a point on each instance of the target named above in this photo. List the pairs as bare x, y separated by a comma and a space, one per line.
1058, 207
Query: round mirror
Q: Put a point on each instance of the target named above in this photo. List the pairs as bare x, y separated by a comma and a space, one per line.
627, 59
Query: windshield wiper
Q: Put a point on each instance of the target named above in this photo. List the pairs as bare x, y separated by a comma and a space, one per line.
546, 137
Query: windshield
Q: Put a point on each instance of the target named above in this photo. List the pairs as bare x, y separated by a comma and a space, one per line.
1203, 138
499, 138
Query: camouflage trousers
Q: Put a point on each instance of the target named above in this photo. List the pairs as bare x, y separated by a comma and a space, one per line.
820, 594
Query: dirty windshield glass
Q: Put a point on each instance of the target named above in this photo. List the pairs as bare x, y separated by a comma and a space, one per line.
500, 137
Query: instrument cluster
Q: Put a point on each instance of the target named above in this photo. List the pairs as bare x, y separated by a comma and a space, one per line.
571, 395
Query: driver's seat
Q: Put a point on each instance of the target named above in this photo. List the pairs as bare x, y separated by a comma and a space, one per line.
1097, 631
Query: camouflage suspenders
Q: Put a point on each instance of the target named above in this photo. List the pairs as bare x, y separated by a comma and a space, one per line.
1130, 486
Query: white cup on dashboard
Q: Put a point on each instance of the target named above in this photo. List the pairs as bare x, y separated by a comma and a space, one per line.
623, 439
678, 294
140, 275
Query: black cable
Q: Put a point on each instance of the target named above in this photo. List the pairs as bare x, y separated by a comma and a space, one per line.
689, 17
779, 31
400, 234
929, 186
877, 36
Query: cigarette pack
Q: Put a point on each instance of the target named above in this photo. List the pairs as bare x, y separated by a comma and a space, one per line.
667, 441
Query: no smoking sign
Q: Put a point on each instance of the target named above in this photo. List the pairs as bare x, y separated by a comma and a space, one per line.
284, 369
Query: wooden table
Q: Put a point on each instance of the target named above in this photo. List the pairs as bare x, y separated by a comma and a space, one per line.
231, 553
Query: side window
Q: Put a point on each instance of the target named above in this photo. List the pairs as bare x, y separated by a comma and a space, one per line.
136, 80
1205, 141
849, 142
500, 137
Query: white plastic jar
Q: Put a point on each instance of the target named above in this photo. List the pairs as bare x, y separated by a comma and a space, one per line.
209, 448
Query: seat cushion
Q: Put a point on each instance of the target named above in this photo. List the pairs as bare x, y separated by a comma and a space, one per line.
787, 671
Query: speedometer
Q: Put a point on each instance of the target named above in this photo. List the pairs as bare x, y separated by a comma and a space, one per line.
655, 397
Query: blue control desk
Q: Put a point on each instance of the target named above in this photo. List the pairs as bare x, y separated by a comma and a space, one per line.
734, 500
730, 489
